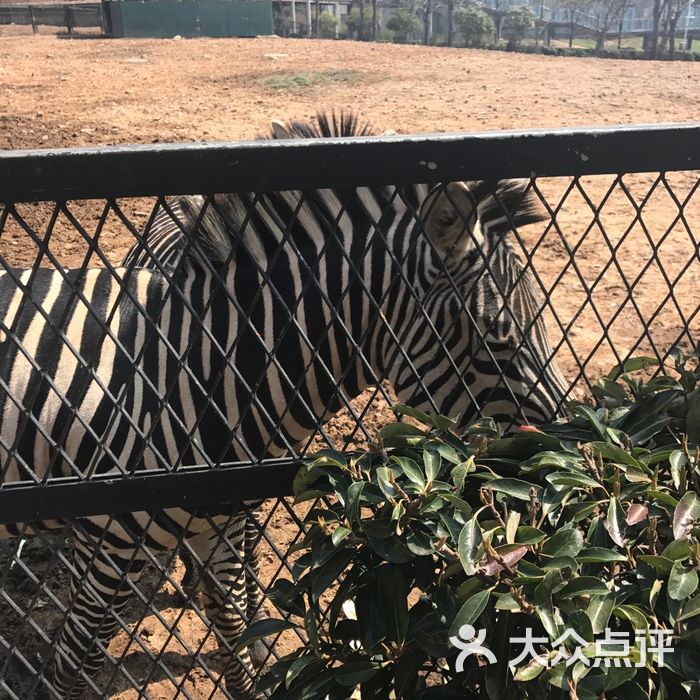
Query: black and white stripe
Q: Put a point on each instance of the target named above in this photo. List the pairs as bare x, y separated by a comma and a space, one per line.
279, 308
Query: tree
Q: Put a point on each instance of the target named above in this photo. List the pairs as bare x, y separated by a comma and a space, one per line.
473, 25
572, 7
518, 21
327, 25
656, 12
450, 21
611, 11
404, 24
499, 10
358, 25
426, 21
674, 11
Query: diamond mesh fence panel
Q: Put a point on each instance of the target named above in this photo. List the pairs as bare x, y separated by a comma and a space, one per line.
268, 326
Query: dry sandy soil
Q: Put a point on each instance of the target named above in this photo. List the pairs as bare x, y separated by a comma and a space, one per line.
56, 92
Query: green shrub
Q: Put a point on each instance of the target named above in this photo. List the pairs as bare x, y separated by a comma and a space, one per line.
327, 24
404, 24
589, 526
359, 26
474, 25
517, 23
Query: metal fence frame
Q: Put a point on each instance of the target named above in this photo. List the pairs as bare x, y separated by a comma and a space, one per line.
263, 166
172, 169
69, 15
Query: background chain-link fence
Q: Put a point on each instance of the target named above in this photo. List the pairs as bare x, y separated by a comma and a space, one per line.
615, 261
58, 15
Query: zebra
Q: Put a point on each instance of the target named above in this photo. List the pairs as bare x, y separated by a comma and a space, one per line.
161, 247
280, 305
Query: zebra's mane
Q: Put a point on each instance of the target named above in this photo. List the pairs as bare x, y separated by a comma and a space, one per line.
506, 204
211, 230
327, 125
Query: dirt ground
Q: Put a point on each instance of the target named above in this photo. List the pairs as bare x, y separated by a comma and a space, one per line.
636, 274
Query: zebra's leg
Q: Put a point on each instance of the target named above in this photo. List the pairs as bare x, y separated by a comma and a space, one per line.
254, 593
193, 572
255, 597
99, 594
224, 594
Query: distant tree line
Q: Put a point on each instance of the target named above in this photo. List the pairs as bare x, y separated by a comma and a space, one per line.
472, 24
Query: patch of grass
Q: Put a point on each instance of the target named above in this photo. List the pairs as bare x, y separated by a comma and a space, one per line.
310, 79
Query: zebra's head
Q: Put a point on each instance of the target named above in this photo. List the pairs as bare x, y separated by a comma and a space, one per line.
474, 334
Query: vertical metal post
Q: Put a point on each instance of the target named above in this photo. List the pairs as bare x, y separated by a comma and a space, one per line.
687, 20
294, 17
308, 17
33, 20
336, 14
106, 13
70, 19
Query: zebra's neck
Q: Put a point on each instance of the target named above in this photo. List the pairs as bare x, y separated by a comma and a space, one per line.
313, 287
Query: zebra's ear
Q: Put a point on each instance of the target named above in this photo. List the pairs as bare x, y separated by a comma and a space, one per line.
280, 130
449, 218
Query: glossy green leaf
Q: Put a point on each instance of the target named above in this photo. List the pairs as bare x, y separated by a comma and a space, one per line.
259, 630
300, 666
571, 479
599, 611
352, 503
591, 416
690, 609
560, 562
431, 460
526, 534
339, 534
615, 522
470, 539
470, 611
386, 478
660, 564
529, 672
686, 513
677, 461
635, 615
354, 672
393, 593
411, 469
565, 542
633, 364
512, 526
459, 473
682, 581
677, 550
515, 488
599, 555
583, 585
286, 597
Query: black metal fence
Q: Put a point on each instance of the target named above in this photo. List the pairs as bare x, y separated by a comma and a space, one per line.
616, 261
59, 15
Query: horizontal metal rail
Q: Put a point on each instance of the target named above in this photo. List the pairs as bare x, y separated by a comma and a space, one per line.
59, 175
66, 499
259, 166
